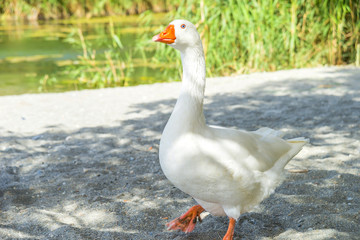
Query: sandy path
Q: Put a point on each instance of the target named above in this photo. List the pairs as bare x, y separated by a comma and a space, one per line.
84, 165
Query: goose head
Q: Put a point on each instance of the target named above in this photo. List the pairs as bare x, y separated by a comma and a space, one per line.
179, 34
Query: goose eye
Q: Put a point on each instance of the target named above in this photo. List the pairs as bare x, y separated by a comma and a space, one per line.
183, 26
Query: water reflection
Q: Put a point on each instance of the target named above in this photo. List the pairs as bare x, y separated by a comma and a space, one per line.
38, 56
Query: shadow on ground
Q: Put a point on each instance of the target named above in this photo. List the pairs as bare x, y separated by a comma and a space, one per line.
106, 182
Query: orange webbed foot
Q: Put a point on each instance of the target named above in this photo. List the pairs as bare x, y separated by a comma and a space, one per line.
187, 221
230, 232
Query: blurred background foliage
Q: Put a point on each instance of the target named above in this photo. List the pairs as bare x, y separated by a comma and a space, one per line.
238, 36
59, 9
268, 35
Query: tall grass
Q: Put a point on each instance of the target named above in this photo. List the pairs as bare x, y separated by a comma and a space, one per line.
109, 68
267, 35
54, 9
239, 36
107, 57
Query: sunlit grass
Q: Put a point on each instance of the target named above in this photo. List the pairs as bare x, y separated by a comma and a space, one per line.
84, 9
267, 35
238, 37
113, 66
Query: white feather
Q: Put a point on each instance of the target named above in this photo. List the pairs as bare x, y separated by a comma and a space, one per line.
227, 171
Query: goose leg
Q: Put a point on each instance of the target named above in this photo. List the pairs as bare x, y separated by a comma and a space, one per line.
230, 232
187, 221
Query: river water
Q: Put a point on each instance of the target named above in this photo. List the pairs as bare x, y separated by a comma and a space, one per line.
32, 51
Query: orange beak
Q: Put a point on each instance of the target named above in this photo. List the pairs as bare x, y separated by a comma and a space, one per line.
167, 36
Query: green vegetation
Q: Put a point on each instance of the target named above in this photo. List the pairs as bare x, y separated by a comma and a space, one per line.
54, 9
52, 53
238, 36
113, 67
267, 35
105, 61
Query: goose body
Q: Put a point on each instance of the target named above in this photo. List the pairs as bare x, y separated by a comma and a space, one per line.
227, 171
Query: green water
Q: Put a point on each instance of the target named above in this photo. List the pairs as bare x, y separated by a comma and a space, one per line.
29, 51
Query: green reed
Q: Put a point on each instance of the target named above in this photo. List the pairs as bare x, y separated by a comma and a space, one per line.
54, 9
238, 37
109, 68
103, 60
267, 35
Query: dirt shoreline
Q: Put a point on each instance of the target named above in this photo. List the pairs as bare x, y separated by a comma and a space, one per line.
84, 165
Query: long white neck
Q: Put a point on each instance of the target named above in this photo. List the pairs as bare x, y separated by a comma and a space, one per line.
188, 112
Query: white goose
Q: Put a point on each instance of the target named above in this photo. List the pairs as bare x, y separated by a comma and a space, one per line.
227, 171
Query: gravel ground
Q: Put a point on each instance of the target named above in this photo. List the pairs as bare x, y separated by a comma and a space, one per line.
84, 165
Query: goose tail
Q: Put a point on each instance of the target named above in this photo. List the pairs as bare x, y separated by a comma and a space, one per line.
296, 145
274, 175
